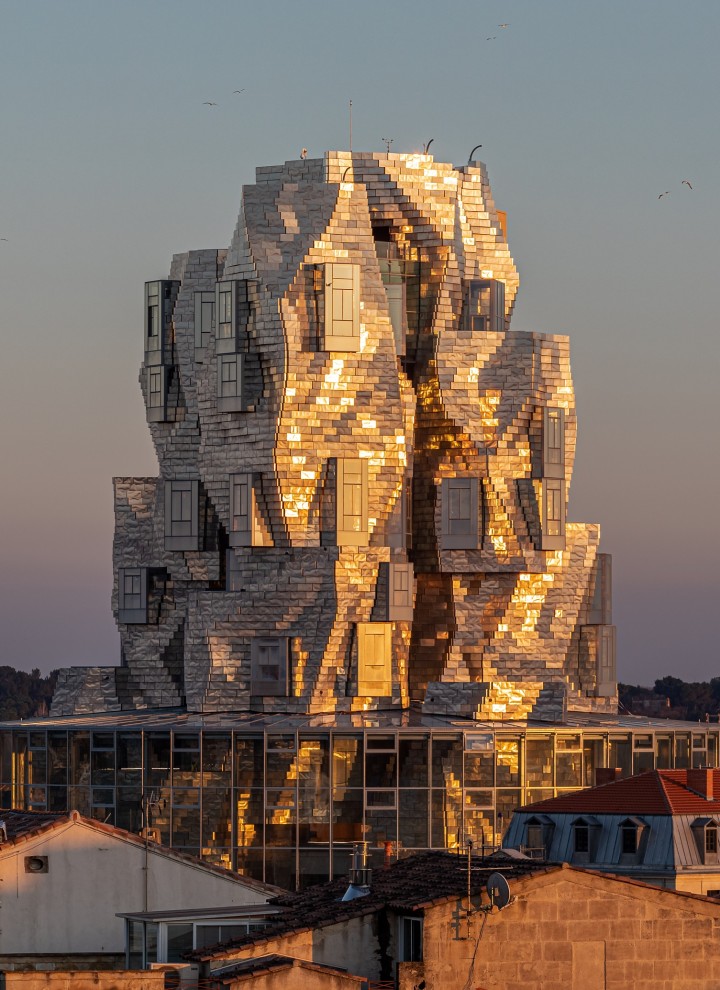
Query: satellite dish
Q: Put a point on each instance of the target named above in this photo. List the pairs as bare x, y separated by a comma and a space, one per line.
498, 890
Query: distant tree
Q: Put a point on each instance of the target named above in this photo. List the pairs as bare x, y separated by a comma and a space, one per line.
24, 695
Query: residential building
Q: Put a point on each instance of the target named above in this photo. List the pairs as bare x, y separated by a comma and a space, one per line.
64, 878
552, 926
660, 826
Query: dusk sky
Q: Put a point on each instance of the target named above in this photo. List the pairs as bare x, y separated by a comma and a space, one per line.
586, 113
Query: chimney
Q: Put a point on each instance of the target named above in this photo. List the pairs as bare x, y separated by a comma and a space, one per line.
606, 775
701, 782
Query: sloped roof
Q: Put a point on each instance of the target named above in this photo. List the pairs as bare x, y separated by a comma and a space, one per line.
21, 826
260, 965
655, 792
407, 885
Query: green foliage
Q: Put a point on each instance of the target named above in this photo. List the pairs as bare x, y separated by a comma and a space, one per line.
692, 700
24, 695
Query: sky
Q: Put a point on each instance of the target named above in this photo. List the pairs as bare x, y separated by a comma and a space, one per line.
110, 163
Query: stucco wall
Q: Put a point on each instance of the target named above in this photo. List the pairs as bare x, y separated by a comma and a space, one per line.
92, 875
92, 980
299, 978
576, 931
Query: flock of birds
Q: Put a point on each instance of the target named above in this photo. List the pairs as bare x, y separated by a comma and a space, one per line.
684, 182
209, 103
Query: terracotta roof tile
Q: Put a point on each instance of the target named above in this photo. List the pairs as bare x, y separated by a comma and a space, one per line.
655, 792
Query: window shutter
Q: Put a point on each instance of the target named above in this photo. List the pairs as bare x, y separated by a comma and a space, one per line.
341, 331
374, 641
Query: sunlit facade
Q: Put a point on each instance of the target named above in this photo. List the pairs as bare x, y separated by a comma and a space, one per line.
357, 540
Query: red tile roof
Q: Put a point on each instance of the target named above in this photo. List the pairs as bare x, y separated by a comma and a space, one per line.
656, 792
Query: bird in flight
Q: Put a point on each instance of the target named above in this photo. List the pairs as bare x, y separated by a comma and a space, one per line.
686, 183
491, 39
503, 25
207, 103
666, 193
239, 90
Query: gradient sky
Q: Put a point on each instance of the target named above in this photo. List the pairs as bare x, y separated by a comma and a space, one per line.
587, 111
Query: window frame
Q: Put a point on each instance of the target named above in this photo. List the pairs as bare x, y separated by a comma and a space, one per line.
174, 539
553, 514
203, 333
133, 609
450, 491
374, 678
274, 687
553, 452
341, 299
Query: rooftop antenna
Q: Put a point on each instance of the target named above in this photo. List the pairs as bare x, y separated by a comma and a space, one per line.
351, 127
425, 149
388, 142
469, 844
473, 152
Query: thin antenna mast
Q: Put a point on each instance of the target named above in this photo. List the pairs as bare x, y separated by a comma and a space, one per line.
351, 127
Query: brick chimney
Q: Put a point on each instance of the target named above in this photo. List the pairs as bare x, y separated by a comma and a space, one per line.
701, 782
606, 775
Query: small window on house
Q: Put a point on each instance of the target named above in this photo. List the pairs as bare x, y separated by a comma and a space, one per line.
132, 595
352, 502
229, 383
553, 536
582, 838
181, 515
374, 642
629, 836
411, 940
204, 322
341, 296
269, 666
711, 839
553, 443
460, 505
535, 846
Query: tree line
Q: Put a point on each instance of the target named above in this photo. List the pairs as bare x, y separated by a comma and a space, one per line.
674, 698
24, 695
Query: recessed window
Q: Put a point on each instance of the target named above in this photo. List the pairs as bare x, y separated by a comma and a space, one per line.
204, 322
159, 302
553, 535
629, 840
461, 529
269, 658
553, 443
395, 595
232, 315
229, 384
582, 838
411, 940
132, 595
181, 515
352, 502
157, 378
711, 839
484, 306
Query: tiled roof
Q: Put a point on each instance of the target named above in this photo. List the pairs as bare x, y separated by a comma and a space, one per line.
656, 792
23, 825
259, 965
407, 885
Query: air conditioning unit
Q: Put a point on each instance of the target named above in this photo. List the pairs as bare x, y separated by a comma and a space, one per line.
178, 975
